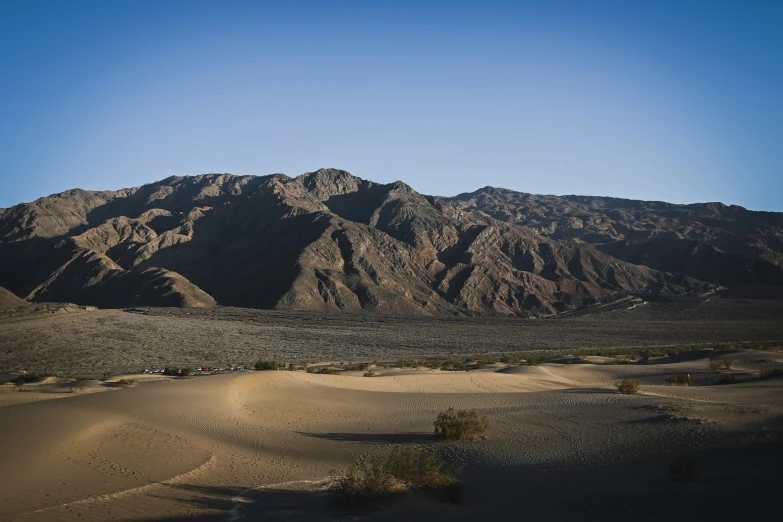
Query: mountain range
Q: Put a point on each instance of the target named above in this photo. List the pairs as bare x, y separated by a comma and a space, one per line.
327, 240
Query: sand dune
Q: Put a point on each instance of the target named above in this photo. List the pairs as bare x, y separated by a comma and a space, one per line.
263, 445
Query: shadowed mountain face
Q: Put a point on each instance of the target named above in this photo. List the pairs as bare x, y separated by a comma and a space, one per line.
726, 245
324, 240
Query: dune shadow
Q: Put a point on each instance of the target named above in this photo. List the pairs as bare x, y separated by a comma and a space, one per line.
588, 391
296, 502
373, 438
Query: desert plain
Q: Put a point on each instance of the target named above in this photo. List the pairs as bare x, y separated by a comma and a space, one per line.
99, 440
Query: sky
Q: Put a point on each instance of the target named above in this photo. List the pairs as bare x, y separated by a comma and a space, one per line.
679, 101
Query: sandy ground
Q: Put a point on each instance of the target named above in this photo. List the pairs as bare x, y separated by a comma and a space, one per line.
265, 445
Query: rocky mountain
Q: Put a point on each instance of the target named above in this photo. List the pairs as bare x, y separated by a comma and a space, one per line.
324, 240
725, 245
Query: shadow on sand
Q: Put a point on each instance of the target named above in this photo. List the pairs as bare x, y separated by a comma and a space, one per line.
373, 438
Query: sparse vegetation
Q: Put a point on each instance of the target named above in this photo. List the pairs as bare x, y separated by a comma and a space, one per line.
369, 374
714, 366
727, 363
178, 372
266, 365
125, 382
460, 425
628, 386
328, 370
382, 475
683, 379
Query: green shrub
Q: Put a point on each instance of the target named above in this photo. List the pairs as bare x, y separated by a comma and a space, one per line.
727, 363
266, 365
397, 470
291, 367
460, 425
186, 372
328, 371
369, 374
125, 382
683, 379
174, 372
671, 352
714, 366
682, 469
628, 386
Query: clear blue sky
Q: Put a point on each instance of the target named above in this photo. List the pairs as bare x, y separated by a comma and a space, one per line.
668, 100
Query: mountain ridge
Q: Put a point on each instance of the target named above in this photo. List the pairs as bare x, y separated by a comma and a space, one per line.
324, 240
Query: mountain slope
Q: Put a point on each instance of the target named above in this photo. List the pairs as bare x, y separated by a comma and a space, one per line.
9, 300
726, 245
324, 240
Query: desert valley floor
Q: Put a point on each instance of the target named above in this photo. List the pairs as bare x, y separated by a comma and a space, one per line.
246, 445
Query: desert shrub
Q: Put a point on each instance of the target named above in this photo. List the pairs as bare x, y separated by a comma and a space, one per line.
369, 374
328, 371
186, 372
671, 352
480, 365
125, 382
683, 379
682, 469
714, 366
532, 360
174, 372
460, 425
727, 363
397, 470
266, 365
508, 359
291, 367
628, 386
727, 378
309, 369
